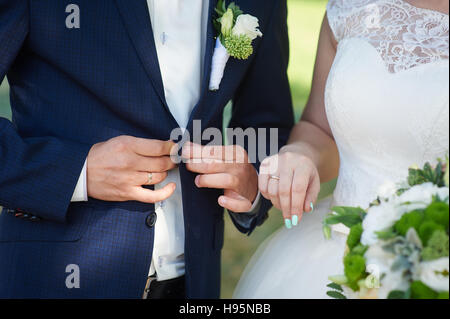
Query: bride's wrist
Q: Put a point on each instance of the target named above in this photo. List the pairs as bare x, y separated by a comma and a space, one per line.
301, 150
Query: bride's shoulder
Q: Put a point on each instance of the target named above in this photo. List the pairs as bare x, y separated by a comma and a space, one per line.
341, 13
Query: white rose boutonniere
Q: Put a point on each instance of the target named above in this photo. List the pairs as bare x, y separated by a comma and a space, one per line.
236, 32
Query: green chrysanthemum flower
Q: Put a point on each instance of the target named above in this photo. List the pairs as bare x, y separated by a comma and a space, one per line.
355, 268
239, 47
438, 246
410, 220
427, 229
438, 213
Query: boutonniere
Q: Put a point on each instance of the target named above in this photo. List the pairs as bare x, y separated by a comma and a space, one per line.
236, 32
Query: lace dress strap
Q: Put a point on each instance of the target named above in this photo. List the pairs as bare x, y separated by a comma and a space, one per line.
338, 13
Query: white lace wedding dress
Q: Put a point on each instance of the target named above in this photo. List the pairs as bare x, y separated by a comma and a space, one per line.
387, 101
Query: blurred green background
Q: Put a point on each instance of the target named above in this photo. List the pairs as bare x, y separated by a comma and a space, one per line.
305, 18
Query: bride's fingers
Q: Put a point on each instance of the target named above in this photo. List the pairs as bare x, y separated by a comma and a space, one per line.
299, 188
264, 176
284, 192
312, 193
263, 184
273, 192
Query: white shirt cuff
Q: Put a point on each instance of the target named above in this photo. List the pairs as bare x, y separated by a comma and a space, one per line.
256, 203
80, 193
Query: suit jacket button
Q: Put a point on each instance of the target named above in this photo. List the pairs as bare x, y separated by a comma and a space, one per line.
34, 218
150, 221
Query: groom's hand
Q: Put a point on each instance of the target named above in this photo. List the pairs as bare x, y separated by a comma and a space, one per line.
227, 168
117, 169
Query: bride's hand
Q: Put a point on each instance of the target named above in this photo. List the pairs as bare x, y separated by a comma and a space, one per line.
291, 181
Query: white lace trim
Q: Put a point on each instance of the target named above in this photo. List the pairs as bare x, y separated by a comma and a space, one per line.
404, 35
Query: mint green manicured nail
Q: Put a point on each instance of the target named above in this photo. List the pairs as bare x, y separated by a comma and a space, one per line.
288, 223
312, 207
295, 220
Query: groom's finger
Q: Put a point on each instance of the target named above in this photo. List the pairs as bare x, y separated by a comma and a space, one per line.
143, 195
147, 178
207, 168
153, 164
228, 154
219, 181
152, 148
241, 205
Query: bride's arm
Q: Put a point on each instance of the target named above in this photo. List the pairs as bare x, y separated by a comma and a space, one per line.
311, 155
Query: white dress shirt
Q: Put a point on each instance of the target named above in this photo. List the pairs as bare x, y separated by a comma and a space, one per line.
179, 29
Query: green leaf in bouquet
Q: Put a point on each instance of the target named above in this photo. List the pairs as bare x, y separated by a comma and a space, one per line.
348, 221
326, 231
437, 246
427, 229
350, 211
354, 237
421, 291
427, 175
410, 220
443, 295
336, 295
340, 280
398, 294
335, 286
349, 216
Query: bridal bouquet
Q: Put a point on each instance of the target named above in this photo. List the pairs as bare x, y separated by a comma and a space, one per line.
399, 247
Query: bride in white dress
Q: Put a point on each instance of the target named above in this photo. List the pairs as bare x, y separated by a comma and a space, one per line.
379, 103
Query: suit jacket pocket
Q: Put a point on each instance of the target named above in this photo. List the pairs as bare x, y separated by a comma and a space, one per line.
13, 229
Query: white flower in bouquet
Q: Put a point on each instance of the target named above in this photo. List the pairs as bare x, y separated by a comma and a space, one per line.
388, 190
378, 218
379, 257
384, 216
434, 274
247, 25
420, 196
392, 280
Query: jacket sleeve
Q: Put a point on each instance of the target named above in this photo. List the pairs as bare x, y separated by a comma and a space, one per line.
37, 174
264, 98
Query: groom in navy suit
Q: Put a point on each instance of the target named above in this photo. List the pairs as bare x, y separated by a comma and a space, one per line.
93, 206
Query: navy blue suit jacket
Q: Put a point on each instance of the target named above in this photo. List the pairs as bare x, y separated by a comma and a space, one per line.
72, 88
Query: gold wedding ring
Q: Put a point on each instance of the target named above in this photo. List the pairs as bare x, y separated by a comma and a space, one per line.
277, 178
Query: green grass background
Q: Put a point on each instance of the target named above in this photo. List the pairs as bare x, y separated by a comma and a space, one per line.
305, 17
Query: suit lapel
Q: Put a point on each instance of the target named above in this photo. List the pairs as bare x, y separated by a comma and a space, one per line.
209, 51
136, 19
